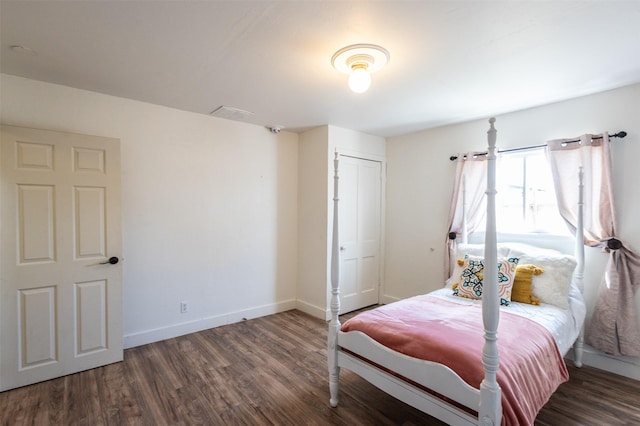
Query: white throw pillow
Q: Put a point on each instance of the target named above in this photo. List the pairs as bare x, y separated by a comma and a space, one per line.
553, 285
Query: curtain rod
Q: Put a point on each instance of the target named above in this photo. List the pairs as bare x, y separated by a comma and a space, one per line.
621, 134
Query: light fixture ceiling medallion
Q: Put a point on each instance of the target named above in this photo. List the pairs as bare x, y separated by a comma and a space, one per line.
359, 60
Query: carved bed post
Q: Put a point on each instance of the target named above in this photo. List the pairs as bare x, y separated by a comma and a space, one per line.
334, 324
578, 346
465, 231
490, 410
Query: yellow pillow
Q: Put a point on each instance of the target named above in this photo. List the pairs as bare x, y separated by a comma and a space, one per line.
522, 290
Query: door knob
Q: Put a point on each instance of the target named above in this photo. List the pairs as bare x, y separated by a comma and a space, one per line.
112, 260
342, 248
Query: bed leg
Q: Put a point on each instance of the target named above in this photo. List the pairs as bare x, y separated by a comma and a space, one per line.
334, 370
333, 387
578, 349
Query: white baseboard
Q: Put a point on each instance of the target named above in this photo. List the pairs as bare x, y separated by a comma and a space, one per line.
325, 314
313, 310
386, 299
621, 365
180, 329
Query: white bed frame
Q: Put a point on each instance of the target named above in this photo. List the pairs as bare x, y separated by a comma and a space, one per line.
375, 359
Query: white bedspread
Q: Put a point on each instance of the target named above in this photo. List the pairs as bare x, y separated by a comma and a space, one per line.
563, 324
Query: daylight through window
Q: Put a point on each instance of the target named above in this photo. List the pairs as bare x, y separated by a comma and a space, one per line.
526, 201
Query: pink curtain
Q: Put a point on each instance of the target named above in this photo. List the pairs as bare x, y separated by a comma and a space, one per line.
471, 172
614, 324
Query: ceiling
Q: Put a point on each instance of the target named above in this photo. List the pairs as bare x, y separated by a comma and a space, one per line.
450, 61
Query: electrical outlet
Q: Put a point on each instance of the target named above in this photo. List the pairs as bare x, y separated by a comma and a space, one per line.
184, 307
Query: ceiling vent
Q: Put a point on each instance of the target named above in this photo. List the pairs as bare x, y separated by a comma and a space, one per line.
231, 113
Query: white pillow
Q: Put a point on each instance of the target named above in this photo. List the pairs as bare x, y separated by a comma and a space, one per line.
553, 285
527, 252
470, 249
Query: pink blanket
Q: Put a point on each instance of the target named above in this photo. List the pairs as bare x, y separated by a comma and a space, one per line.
427, 327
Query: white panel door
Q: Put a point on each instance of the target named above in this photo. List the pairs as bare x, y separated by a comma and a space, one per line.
60, 297
360, 224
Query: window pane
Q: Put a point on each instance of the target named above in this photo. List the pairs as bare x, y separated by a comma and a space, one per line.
526, 200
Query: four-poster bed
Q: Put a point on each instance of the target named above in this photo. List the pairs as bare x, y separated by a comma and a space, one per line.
451, 357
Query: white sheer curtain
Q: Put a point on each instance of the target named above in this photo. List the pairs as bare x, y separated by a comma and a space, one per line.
471, 173
614, 325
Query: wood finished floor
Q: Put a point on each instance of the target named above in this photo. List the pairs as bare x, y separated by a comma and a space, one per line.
266, 371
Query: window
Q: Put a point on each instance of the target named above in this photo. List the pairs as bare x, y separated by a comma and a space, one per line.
526, 200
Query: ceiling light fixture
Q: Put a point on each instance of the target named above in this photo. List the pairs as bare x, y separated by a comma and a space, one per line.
359, 60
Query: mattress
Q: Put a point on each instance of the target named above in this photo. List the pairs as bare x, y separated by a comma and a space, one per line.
564, 325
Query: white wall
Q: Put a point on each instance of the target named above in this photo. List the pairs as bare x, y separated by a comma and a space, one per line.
420, 175
209, 206
312, 221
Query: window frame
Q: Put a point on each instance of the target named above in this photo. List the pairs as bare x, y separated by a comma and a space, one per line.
532, 212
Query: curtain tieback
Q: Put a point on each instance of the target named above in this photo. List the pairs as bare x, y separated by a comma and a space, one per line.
452, 235
613, 244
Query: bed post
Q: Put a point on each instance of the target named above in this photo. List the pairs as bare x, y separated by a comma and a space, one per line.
465, 231
578, 346
334, 324
490, 410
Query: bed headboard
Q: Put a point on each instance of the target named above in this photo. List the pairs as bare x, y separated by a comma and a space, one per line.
562, 243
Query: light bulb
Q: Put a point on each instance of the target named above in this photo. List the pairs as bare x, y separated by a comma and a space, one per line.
359, 80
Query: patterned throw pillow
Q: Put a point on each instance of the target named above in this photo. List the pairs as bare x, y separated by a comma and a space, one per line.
463, 250
472, 276
523, 284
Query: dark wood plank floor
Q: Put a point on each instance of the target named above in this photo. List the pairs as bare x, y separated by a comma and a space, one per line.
266, 371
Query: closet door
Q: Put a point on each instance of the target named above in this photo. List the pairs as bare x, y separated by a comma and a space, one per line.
60, 274
360, 230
